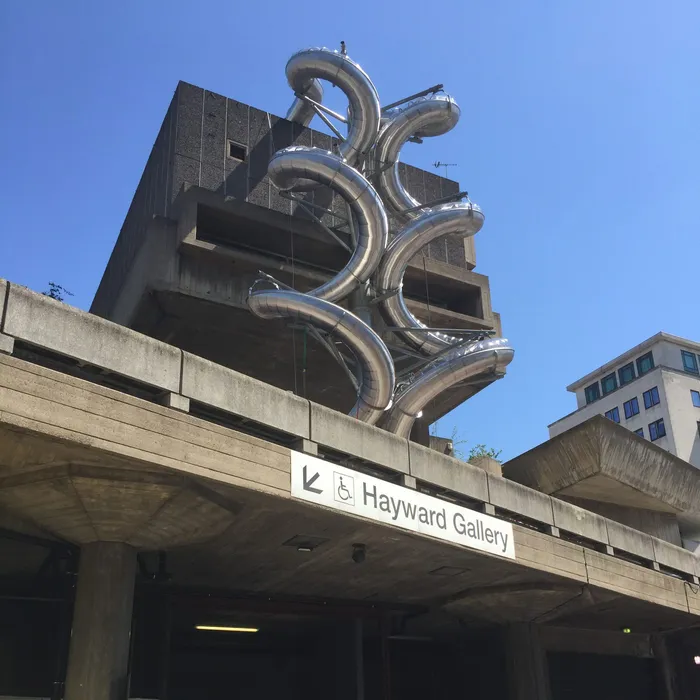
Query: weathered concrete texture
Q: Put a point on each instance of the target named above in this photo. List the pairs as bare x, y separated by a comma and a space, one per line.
573, 463
528, 676
7, 344
520, 499
46, 323
488, 464
447, 472
3, 296
343, 433
571, 518
674, 557
218, 386
99, 649
627, 539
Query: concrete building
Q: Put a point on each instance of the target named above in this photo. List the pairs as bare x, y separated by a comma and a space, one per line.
652, 390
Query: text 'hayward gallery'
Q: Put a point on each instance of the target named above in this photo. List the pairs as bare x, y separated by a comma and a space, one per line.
220, 483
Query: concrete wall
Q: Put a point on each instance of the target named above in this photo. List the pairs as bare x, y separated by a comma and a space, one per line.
683, 417
192, 149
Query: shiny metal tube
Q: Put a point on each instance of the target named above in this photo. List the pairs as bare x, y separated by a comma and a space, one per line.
301, 111
371, 226
323, 64
377, 368
425, 116
461, 217
482, 360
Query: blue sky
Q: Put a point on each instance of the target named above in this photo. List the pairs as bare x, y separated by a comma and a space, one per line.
578, 138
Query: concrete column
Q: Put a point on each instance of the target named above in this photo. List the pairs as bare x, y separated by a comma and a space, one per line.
99, 648
528, 676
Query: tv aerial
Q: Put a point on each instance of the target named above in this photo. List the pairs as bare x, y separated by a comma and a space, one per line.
439, 164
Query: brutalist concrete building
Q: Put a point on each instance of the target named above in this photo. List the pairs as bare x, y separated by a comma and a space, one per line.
217, 483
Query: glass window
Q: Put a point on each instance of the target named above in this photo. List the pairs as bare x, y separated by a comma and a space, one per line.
609, 383
626, 374
613, 414
651, 397
657, 429
639, 432
695, 395
690, 362
592, 393
631, 407
645, 364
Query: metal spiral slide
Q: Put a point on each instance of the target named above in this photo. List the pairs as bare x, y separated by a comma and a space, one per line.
372, 145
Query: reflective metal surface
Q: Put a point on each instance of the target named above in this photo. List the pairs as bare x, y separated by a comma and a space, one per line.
426, 116
301, 111
461, 217
371, 227
323, 64
485, 360
376, 384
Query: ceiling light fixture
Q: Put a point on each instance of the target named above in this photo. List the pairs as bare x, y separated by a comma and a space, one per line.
218, 628
696, 659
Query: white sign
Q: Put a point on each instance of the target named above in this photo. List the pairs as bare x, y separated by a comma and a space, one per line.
329, 485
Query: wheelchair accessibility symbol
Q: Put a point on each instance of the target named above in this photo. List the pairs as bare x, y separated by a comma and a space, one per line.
344, 488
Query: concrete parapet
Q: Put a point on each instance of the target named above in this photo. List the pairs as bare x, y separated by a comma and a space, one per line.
488, 464
345, 434
674, 557
520, 499
579, 521
224, 388
46, 323
447, 472
627, 539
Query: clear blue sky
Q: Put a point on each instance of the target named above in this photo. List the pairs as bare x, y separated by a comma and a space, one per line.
579, 139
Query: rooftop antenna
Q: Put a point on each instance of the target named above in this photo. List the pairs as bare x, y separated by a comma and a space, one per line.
438, 164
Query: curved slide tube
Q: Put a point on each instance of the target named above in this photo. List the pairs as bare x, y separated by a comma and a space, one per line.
377, 368
426, 116
301, 111
484, 359
371, 226
306, 68
461, 217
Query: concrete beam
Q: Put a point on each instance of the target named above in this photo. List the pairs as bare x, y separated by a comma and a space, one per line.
627, 539
7, 344
674, 557
46, 323
519, 499
447, 472
345, 434
224, 388
578, 521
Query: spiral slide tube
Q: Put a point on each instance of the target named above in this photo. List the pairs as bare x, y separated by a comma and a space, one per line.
306, 68
377, 368
482, 360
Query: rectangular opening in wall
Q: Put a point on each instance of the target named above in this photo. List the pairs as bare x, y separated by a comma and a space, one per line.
236, 151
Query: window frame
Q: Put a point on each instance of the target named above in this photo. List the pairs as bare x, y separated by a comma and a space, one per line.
615, 411
612, 376
693, 394
597, 391
639, 431
647, 356
650, 392
695, 369
654, 430
629, 403
629, 365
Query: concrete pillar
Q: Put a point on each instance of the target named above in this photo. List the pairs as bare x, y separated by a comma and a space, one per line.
99, 648
528, 676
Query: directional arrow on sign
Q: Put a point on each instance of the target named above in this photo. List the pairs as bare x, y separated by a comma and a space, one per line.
308, 483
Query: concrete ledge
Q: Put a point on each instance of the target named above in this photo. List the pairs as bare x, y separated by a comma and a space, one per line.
44, 322
345, 434
674, 557
3, 296
447, 472
520, 499
627, 539
224, 388
7, 344
579, 521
